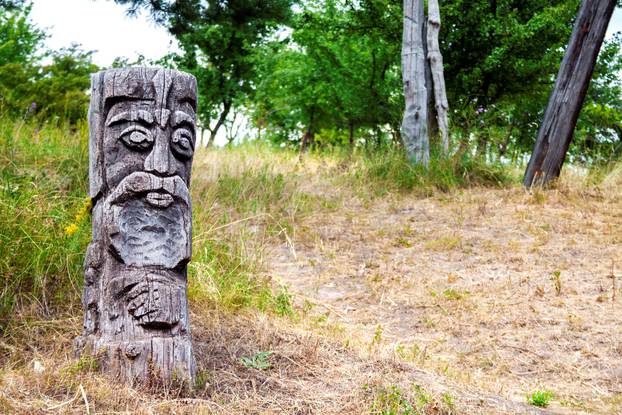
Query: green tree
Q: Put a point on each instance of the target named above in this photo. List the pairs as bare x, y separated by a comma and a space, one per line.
20, 42
55, 90
218, 39
598, 136
334, 77
500, 57
60, 90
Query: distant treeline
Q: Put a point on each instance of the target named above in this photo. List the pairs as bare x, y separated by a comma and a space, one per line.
37, 82
327, 72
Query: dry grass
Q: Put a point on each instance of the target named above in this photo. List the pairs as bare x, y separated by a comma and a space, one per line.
309, 373
456, 303
501, 290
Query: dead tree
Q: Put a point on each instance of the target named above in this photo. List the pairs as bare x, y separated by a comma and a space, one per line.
435, 59
573, 79
414, 124
142, 138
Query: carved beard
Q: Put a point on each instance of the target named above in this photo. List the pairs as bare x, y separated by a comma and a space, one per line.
150, 219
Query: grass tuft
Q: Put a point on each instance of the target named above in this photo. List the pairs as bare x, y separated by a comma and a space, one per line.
390, 171
540, 398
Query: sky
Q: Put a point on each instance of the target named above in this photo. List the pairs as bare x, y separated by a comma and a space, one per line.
103, 26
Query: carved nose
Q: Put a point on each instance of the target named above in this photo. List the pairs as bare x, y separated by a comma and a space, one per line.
160, 160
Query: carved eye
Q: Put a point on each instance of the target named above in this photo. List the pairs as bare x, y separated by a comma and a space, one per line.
137, 137
182, 143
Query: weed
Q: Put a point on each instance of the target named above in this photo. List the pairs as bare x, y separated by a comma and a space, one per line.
391, 401
422, 396
258, 361
394, 401
445, 243
448, 401
377, 339
283, 303
201, 380
455, 295
84, 364
390, 171
540, 398
43, 231
403, 242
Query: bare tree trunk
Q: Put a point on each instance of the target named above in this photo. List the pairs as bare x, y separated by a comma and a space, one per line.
573, 79
351, 135
231, 130
429, 86
436, 68
414, 124
221, 120
482, 146
307, 138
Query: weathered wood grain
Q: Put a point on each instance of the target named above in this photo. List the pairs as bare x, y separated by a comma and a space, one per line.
435, 59
573, 80
142, 138
414, 123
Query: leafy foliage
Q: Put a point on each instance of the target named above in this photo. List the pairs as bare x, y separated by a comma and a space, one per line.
338, 72
260, 361
217, 39
540, 398
55, 90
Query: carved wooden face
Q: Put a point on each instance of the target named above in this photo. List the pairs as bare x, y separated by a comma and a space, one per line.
146, 139
150, 128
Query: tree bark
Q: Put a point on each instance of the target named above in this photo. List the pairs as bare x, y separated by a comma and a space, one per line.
565, 103
414, 123
429, 86
436, 68
307, 138
221, 120
351, 135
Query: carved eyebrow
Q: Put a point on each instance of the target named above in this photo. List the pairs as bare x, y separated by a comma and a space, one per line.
132, 115
180, 117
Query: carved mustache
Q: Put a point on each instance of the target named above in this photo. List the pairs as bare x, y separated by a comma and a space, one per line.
160, 191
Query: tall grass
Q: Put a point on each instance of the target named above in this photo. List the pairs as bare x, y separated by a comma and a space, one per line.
390, 171
45, 225
243, 199
43, 180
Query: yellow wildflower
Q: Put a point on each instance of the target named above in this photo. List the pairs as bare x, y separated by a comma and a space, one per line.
71, 229
82, 213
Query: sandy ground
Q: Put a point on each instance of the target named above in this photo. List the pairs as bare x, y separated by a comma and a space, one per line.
499, 290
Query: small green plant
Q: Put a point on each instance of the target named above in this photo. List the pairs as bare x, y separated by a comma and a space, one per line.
259, 361
422, 396
403, 242
455, 295
540, 398
391, 401
283, 303
201, 380
84, 364
375, 341
448, 401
